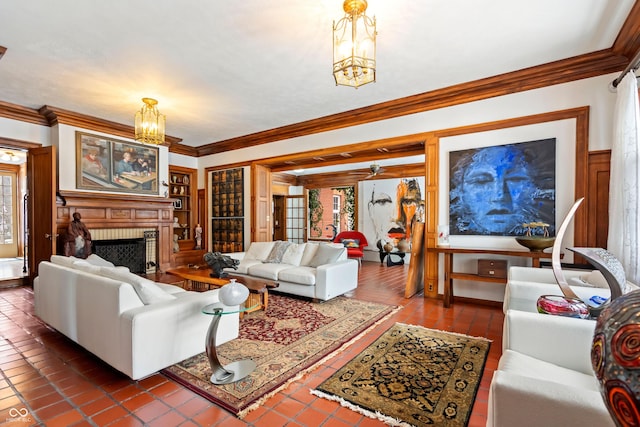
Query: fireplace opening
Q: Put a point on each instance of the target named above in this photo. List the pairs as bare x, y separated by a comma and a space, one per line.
126, 252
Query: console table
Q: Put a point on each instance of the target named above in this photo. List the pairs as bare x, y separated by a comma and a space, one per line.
450, 275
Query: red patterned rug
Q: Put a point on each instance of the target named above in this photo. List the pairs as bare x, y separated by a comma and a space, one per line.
286, 341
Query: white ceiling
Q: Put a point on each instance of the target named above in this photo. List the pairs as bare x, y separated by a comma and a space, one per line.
222, 69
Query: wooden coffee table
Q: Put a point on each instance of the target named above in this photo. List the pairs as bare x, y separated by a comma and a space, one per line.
199, 279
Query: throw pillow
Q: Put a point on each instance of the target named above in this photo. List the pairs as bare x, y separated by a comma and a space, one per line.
259, 250
276, 254
100, 262
326, 255
293, 254
309, 251
147, 290
351, 243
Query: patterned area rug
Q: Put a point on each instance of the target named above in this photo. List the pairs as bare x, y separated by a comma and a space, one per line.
286, 341
412, 376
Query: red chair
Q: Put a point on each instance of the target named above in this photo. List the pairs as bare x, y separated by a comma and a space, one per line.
354, 241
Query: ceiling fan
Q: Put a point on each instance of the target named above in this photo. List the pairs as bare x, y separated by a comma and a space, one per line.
374, 169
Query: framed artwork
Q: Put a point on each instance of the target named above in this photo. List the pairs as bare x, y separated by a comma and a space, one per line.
391, 207
563, 181
106, 164
494, 190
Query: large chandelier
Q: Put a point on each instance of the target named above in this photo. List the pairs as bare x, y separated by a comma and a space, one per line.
150, 123
354, 46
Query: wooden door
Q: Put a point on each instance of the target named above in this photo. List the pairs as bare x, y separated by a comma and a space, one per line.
279, 218
41, 207
261, 230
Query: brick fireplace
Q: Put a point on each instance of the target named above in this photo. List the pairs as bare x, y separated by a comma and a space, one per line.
121, 220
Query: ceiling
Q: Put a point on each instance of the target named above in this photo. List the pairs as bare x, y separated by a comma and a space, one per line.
224, 69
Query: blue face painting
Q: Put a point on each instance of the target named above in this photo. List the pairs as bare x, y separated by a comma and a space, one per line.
494, 185
494, 190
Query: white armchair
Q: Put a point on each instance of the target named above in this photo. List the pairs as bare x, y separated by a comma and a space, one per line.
544, 377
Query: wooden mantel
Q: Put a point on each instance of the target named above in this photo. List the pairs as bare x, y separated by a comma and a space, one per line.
102, 210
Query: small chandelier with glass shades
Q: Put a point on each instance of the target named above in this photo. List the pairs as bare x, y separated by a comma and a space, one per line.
354, 46
149, 123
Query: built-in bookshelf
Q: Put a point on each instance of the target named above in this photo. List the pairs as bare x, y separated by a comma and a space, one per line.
227, 209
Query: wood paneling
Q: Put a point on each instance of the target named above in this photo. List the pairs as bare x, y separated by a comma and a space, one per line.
113, 211
598, 200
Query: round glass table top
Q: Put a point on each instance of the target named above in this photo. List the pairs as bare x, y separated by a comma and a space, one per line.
218, 309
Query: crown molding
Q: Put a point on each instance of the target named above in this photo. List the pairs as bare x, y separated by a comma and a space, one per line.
22, 114
562, 71
55, 115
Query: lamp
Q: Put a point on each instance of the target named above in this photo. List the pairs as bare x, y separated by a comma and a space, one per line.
354, 46
149, 123
9, 156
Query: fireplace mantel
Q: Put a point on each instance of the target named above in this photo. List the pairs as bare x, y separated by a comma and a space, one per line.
101, 210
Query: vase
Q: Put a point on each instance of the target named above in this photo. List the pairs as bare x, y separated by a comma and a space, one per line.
615, 357
388, 247
403, 246
233, 293
536, 243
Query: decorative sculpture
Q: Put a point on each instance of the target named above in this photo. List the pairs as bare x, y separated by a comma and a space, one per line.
198, 236
78, 238
218, 262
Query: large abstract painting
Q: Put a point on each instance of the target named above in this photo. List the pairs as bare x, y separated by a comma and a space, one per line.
494, 190
392, 207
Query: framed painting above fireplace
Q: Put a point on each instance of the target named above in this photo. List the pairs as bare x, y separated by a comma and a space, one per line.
106, 164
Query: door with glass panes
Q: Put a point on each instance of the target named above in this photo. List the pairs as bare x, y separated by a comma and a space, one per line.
8, 213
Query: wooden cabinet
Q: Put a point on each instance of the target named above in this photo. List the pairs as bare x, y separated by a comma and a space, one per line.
227, 208
183, 189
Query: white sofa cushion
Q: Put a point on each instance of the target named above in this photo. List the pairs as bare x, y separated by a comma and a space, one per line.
527, 366
267, 270
243, 267
310, 250
326, 255
300, 275
259, 250
66, 261
293, 254
147, 290
83, 265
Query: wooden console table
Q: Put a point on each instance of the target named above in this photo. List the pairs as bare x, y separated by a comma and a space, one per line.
450, 275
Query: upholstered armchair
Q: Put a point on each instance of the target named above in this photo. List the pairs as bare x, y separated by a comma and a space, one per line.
544, 377
354, 241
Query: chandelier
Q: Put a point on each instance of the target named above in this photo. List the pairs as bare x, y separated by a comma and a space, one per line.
354, 46
149, 123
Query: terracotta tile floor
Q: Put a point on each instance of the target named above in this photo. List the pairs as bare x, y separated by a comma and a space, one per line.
47, 380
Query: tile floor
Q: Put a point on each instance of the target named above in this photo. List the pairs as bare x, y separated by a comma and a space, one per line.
47, 380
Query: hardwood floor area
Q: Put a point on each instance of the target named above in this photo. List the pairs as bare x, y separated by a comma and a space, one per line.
57, 383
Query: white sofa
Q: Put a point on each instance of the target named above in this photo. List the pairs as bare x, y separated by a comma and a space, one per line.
319, 271
133, 324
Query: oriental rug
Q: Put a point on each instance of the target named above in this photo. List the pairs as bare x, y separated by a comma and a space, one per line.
288, 340
412, 376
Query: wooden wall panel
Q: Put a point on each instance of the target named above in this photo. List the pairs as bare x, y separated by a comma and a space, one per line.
598, 199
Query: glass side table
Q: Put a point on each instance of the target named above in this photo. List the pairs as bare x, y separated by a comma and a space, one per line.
234, 371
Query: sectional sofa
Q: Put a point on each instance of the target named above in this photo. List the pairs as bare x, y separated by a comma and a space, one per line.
319, 271
135, 325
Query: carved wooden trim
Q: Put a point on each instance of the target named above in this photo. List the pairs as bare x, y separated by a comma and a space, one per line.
627, 42
23, 114
55, 115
